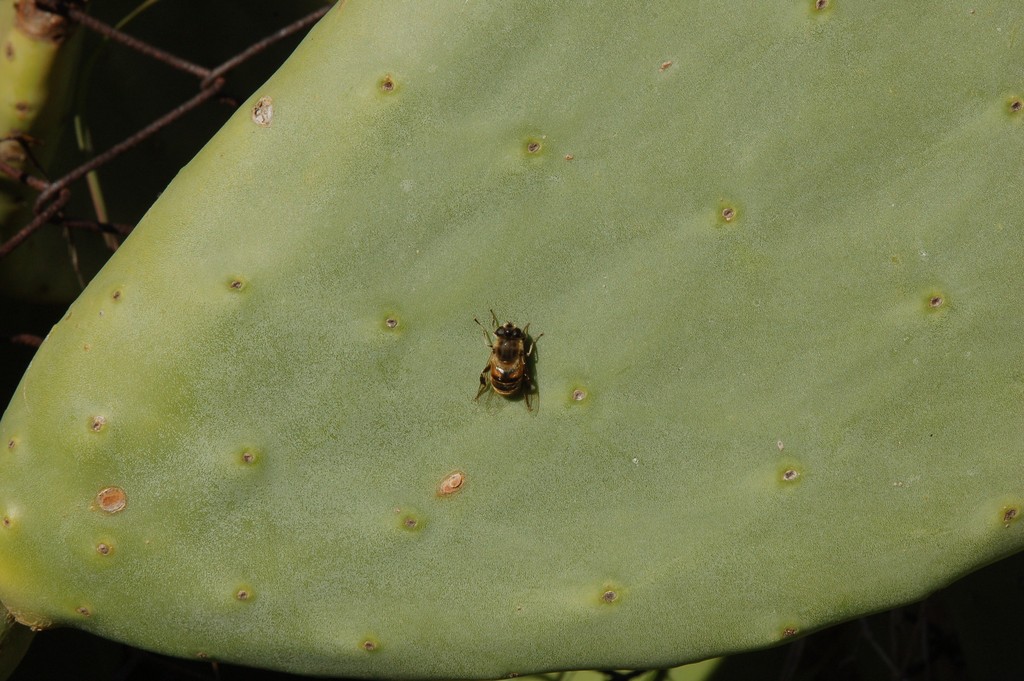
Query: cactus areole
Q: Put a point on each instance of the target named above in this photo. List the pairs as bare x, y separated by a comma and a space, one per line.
775, 251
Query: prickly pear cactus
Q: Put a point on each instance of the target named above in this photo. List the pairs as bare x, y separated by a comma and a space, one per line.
38, 54
773, 248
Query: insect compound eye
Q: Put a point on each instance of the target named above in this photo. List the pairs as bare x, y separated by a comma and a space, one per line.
500, 332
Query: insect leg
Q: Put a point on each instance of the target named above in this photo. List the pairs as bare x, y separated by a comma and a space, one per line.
483, 382
527, 389
533, 344
487, 334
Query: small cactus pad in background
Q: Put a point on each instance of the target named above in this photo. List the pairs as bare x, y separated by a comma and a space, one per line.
775, 252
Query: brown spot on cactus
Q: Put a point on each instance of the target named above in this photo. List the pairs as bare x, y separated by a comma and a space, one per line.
409, 520
9, 51
39, 23
820, 4
97, 423
12, 152
533, 146
1010, 514
579, 394
263, 112
83, 611
236, 284
728, 214
609, 596
1016, 105
116, 295
6, 521
103, 549
369, 645
789, 632
244, 594
387, 83
451, 484
111, 499
11, 443
391, 322
664, 66
790, 474
569, 157
936, 302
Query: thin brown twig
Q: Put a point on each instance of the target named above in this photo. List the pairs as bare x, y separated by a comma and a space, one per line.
26, 142
211, 83
108, 31
261, 45
23, 177
118, 149
37, 222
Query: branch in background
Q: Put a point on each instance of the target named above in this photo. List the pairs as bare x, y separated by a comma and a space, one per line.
211, 81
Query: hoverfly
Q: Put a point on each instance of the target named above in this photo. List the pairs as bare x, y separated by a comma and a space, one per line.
507, 372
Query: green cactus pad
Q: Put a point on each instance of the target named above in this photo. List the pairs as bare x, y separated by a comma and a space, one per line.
774, 251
